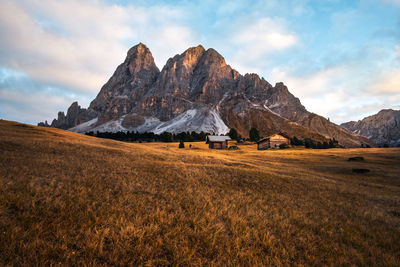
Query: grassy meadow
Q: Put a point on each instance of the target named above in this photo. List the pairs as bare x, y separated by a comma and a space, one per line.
71, 199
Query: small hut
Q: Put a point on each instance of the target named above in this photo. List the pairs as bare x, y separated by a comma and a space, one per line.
273, 141
217, 142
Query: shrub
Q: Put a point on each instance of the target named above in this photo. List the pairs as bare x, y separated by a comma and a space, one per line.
283, 146
181, 144
254, 134
233, 134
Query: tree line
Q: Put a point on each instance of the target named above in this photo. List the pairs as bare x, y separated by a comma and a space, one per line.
150, 136
194, 137
307, 142
310, 143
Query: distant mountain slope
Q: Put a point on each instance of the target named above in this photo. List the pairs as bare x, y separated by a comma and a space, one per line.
196, 91
382, 128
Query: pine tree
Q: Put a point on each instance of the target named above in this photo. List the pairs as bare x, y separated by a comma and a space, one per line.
181, 144
233, 134
254, 134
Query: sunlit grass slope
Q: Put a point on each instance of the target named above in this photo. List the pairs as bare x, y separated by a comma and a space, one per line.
67, 198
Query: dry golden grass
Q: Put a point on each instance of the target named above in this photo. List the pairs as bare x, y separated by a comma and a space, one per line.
71, 199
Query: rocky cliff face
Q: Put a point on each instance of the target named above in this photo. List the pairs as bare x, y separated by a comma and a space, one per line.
196, 91
383, 128
127, 86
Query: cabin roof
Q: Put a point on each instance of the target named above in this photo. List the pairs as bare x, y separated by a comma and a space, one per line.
216, 138
268, 137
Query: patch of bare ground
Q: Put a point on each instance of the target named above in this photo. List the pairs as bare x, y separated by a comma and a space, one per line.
71, 199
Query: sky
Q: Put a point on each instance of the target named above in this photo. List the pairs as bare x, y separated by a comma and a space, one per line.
341, 58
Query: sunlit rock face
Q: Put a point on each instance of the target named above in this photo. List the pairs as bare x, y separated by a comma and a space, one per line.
382, 128
196, 91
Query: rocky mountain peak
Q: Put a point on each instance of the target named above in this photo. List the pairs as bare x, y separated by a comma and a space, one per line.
130, 81
212, 57
280, 86
383, 128
138, 49
387, 111
191, 56
195, 91
73, 109
139, 58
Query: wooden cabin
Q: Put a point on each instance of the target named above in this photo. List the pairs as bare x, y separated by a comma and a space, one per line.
273, 141
217, 142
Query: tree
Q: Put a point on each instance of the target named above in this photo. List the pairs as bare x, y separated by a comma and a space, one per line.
296, 142
181, 144
308, 142
325, 145
233, 134
166, 137
254, 134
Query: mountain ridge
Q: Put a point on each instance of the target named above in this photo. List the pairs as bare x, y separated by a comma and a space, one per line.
382, 128
197, 90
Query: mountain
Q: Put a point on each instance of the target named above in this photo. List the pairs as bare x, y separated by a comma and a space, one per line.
196, 91
382, 128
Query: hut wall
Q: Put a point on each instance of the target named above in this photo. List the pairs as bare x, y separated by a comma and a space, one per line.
217, 145
263, 145
277, 140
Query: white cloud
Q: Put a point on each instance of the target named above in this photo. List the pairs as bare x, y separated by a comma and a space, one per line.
338, 93
39, 106
169, 41
257, 38
78, 44
388, 83
321, 92
265, 35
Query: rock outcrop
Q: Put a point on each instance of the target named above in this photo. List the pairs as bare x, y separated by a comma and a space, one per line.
382, 128
75, 115
196, 91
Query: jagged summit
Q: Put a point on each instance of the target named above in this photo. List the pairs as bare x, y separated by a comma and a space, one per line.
196, 91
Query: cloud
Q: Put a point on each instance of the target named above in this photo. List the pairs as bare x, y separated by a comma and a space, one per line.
78, 44
320, 92
253, 39
340, 93
388, 84
68, 57
264, 36
27, 101
75, 46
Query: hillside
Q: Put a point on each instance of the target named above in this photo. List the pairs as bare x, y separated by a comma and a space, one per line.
196, 91
382, 128
71, 199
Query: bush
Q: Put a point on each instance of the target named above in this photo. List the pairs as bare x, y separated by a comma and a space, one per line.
233, 134
296, 142
181, 144
283, 146
254, 134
